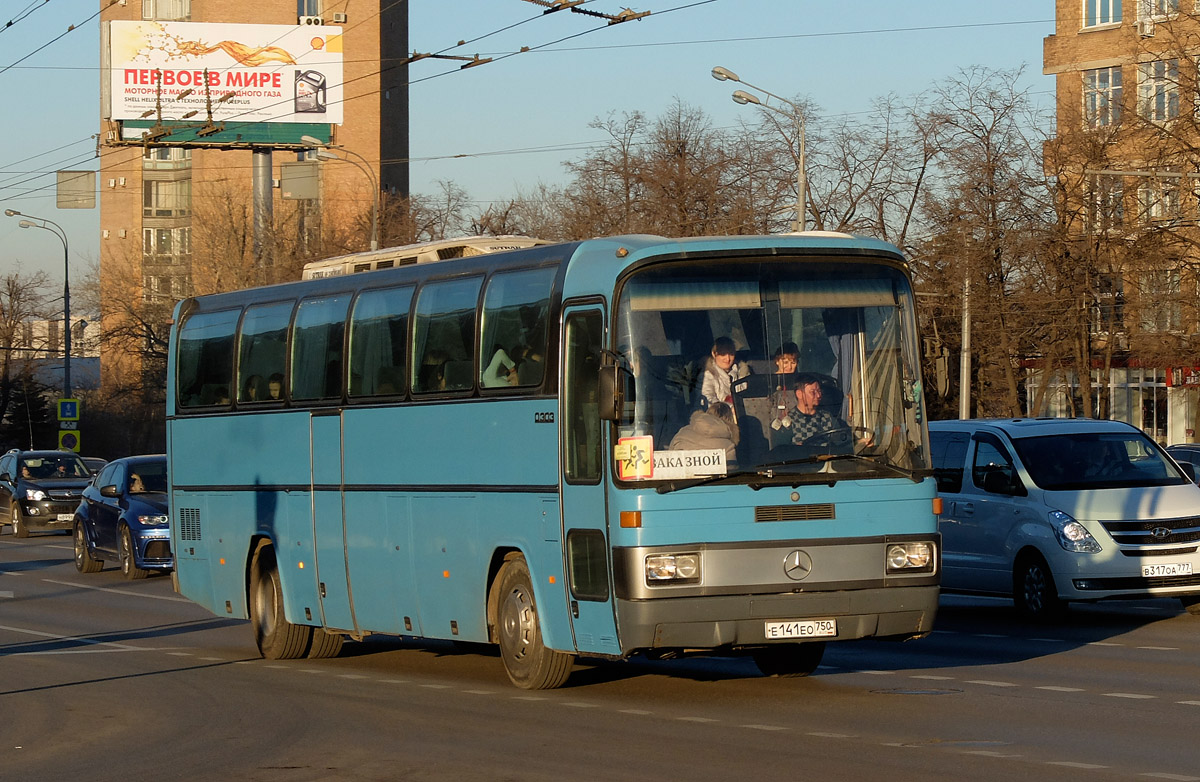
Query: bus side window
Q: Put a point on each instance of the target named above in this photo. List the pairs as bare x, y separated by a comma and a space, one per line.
378, 333
205, 357
581, 424
262, 349
444, 335
515, 310
317, 347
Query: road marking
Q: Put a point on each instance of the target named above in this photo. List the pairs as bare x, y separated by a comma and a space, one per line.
1131, 695
1160, 648
764, 727
830, 735
931, 677
580, 705
352, 676
1070, 764
696, 719
116, 591
1061, 689
989, 753
876, 673
987, 683
1102, 643
1189, 703
8, 595
1175, 777
639, 712
76, 639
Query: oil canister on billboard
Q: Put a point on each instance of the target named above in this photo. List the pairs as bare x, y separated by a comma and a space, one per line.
310, 92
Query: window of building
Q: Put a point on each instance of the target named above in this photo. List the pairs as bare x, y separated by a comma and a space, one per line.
166, 245
159, 158
1098, 12
1158, 90
1106, 209
166, 198
1102, 96
1157, 9
1160, 306
167, 10
1158, 199
1108, 315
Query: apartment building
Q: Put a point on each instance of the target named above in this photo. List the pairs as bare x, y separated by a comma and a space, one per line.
1126, 159
183, 205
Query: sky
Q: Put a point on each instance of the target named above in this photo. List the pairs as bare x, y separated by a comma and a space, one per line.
502, 128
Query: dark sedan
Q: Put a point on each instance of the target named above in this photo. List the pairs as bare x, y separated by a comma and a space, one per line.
124, 515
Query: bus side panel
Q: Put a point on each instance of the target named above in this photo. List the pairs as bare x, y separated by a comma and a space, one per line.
379, 556
452, 585
192, 569
289, 525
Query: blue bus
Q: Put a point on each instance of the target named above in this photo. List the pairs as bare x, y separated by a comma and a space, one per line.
526, 449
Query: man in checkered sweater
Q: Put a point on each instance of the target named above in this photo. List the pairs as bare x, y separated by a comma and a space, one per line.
805, 418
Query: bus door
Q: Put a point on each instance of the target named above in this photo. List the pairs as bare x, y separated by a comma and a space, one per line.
584, 500
329, 521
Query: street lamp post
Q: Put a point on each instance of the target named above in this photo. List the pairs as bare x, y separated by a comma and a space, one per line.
796, 115
44, 224
324, 153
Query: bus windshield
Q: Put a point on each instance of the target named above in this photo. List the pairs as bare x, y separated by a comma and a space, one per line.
781, 371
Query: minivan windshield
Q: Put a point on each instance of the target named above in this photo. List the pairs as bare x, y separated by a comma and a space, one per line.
780, 370
1096, 460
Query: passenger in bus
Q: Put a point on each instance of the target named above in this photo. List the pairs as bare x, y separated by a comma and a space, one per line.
275, 387
250, 390
388, 381
709, 429
787, 359
531, 368
432, 375
501, 371
720, 370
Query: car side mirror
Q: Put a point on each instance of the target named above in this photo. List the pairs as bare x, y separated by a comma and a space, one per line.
109, 491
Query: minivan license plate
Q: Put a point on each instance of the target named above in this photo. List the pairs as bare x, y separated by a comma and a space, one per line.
811, 628
1167, 569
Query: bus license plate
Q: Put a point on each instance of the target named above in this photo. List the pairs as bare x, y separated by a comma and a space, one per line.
1167, 569
812, 628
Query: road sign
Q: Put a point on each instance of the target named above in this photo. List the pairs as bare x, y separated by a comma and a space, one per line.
68, 440
68, 409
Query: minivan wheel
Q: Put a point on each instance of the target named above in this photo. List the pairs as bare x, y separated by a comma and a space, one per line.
1034, 592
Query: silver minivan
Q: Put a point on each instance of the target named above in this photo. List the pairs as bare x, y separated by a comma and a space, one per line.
1065, 509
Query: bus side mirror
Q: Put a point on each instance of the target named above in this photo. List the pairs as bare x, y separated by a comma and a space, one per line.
613, 382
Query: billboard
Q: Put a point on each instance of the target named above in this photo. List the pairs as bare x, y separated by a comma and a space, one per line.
246, 72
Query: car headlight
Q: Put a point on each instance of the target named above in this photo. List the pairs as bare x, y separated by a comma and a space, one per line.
673, 568
35, 495
1072, 535
910, 557
153, 521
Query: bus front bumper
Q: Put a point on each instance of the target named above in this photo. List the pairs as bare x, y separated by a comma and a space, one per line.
702, 623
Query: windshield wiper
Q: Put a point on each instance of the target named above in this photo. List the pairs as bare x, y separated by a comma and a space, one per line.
879, 461
670, 486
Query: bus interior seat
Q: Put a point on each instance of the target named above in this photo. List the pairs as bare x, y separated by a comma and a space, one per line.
459, 375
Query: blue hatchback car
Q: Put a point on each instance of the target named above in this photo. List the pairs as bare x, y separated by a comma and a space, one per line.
124, 515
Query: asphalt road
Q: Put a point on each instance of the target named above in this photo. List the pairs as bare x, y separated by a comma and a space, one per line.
102, 678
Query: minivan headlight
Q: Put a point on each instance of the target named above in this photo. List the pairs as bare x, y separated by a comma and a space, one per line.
35, 495
1072, 535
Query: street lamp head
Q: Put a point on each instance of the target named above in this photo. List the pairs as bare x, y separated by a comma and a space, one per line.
311, 141
325, 154
743, 97
29, 224
724, 74
11, 212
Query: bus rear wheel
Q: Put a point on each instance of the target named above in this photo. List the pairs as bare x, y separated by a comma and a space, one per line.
789, 661
277, 638
530, 665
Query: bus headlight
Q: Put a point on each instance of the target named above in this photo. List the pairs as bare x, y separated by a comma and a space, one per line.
673, 569
1072, 535
910, 557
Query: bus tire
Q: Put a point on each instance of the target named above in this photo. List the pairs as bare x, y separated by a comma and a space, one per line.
530, 665
789, 661
84, 561
324, 645
276, 637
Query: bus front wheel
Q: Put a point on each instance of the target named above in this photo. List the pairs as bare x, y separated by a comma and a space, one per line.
530, 665
277, 638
